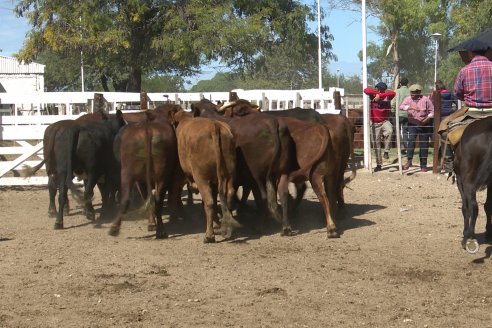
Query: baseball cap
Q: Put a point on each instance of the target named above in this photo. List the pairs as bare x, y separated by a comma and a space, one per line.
415, 87
381, 86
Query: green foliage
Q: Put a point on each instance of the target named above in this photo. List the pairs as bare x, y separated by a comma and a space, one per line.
125, 40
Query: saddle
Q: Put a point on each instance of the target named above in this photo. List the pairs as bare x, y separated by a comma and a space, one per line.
452, 127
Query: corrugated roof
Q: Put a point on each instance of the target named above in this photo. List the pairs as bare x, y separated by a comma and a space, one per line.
10, 65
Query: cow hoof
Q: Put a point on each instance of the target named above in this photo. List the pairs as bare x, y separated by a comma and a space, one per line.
58, 225
226, 232
208, 240
333, 234
151, 227
66, 211
162, 235
52, 214
114, 231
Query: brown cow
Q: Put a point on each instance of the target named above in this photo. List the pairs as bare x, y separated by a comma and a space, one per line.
260, 140
207, 156
148, 154
342, 135
317, 161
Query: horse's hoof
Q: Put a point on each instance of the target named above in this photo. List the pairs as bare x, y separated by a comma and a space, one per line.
208, 240
151, 227
58, 225
472, 246
114, 231
333, 234
287, 232
161, 235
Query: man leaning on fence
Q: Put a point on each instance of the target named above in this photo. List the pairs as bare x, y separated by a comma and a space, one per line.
401, 93
379, 117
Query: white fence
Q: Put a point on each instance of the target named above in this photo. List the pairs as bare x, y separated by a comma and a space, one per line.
24, 117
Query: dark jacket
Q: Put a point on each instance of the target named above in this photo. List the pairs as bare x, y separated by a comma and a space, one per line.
447, 101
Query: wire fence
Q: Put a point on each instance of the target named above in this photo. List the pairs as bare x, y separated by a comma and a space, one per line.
425, 148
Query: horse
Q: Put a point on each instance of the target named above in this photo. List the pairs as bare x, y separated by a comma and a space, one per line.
473, 171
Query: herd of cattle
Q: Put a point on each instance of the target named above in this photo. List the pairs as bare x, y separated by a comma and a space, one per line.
214, 150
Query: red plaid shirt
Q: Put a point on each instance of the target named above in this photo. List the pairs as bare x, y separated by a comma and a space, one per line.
474, 83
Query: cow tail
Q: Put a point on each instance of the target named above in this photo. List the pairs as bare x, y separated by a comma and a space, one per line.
307, 169
150, 201
73, 136
270, 178
222, 175
29, 171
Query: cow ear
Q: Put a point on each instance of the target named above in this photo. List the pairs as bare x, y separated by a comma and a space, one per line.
195, 110
171, 118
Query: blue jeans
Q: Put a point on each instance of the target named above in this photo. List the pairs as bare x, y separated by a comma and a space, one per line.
424, 133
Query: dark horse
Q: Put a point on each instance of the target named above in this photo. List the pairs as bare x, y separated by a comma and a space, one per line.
473, 168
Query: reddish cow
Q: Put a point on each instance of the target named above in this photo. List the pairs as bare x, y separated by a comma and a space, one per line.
315, 157
148, 154
207, 156
260, 140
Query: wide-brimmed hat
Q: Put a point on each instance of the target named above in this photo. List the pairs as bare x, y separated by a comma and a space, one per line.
415, 87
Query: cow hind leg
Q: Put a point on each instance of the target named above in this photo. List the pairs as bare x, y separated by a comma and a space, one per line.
160, 231
52, 188
283, 192
208, 207
62, 199
126, 184
326, 200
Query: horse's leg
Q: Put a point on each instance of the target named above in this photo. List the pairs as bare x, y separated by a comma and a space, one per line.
469, 210
488, 213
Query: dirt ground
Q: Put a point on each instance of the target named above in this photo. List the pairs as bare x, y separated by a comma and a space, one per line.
398, 263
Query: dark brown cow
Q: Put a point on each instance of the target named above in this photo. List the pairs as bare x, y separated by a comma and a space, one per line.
317, 161
86, 150
260, 140
50, 134
207, 156
148, 155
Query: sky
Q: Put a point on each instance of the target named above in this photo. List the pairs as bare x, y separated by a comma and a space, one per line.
345, 26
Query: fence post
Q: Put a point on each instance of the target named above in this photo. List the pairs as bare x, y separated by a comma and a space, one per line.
99, 102
337, 101
436, 95
143, 101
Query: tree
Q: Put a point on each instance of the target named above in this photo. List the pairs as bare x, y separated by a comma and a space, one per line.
124, 40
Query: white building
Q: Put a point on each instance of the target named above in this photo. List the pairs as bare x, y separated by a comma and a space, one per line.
16, 77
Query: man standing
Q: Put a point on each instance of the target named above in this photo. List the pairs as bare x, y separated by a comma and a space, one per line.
379, 117
401, 93
420, 113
